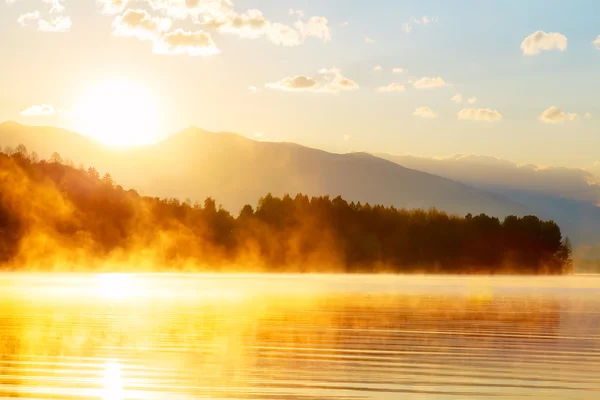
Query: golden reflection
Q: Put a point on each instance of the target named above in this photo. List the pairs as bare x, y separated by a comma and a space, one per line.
115, 286
113, 382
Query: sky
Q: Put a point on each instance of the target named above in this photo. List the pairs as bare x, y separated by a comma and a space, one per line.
511, 79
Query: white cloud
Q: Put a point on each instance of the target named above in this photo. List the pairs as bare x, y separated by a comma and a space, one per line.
38, 111
425, 112
426, 83
316, 27
457, 98
32, 16
597, 42
253, 89
59, 23
479, 114
283, 35
296, 83
424, 20
472, 100
55, 21
392, 87
377, 68
336, 82
542, 41
344, 24
140, 24
197, 43
250, 24
398, 70
554, 115
588, 115
112, 6
330, 80
182, 9
347, 137
221, 16
369, 40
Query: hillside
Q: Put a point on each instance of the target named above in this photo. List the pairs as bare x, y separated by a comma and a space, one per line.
568, 196
56, 217
235, 170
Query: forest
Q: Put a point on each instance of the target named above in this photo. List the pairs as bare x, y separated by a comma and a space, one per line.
58, 217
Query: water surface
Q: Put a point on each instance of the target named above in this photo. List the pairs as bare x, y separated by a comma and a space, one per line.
298, 337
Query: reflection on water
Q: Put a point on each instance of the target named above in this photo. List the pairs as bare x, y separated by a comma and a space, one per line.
115, 337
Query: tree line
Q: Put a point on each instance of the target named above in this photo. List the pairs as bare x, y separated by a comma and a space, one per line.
53, 215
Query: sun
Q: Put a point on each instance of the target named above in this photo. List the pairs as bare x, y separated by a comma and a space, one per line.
118, 113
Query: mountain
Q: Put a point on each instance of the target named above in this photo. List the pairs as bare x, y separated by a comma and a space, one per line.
567, 195
236, 171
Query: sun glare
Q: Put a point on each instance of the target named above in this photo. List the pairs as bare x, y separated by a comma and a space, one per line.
118, 114
113, 382
114, 286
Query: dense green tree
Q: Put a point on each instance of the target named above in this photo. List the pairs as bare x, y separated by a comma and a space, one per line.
51, 209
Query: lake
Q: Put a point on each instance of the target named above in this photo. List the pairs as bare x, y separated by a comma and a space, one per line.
298, 337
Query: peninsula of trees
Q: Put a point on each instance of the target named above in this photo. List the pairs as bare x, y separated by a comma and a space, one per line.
54, 216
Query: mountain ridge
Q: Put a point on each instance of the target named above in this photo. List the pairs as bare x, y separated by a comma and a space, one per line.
235, 170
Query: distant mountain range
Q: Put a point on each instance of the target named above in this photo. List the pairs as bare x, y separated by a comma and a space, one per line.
567, 195
236, 171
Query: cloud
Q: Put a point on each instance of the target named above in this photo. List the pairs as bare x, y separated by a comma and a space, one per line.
377, 68
347, 137
554, 115
479, 114
182, 9
253, 24
250, 24
253, 89
197, 43
392, 87
297, 83
330, 80
283, 35
317, 27
541, 41
424, 20
336, 82
299, 13
32, 16
43, 110
369, 40
56, 21
59, 23
398, 70
112, 6
344, 24
588, 115
472, 100
138, 23
425, 112
597, 42
426, 83
457, 98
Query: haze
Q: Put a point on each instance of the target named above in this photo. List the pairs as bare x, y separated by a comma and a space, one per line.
426, 78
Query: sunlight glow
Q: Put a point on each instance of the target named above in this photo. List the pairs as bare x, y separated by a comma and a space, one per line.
114, 286
113, 382
118, 114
